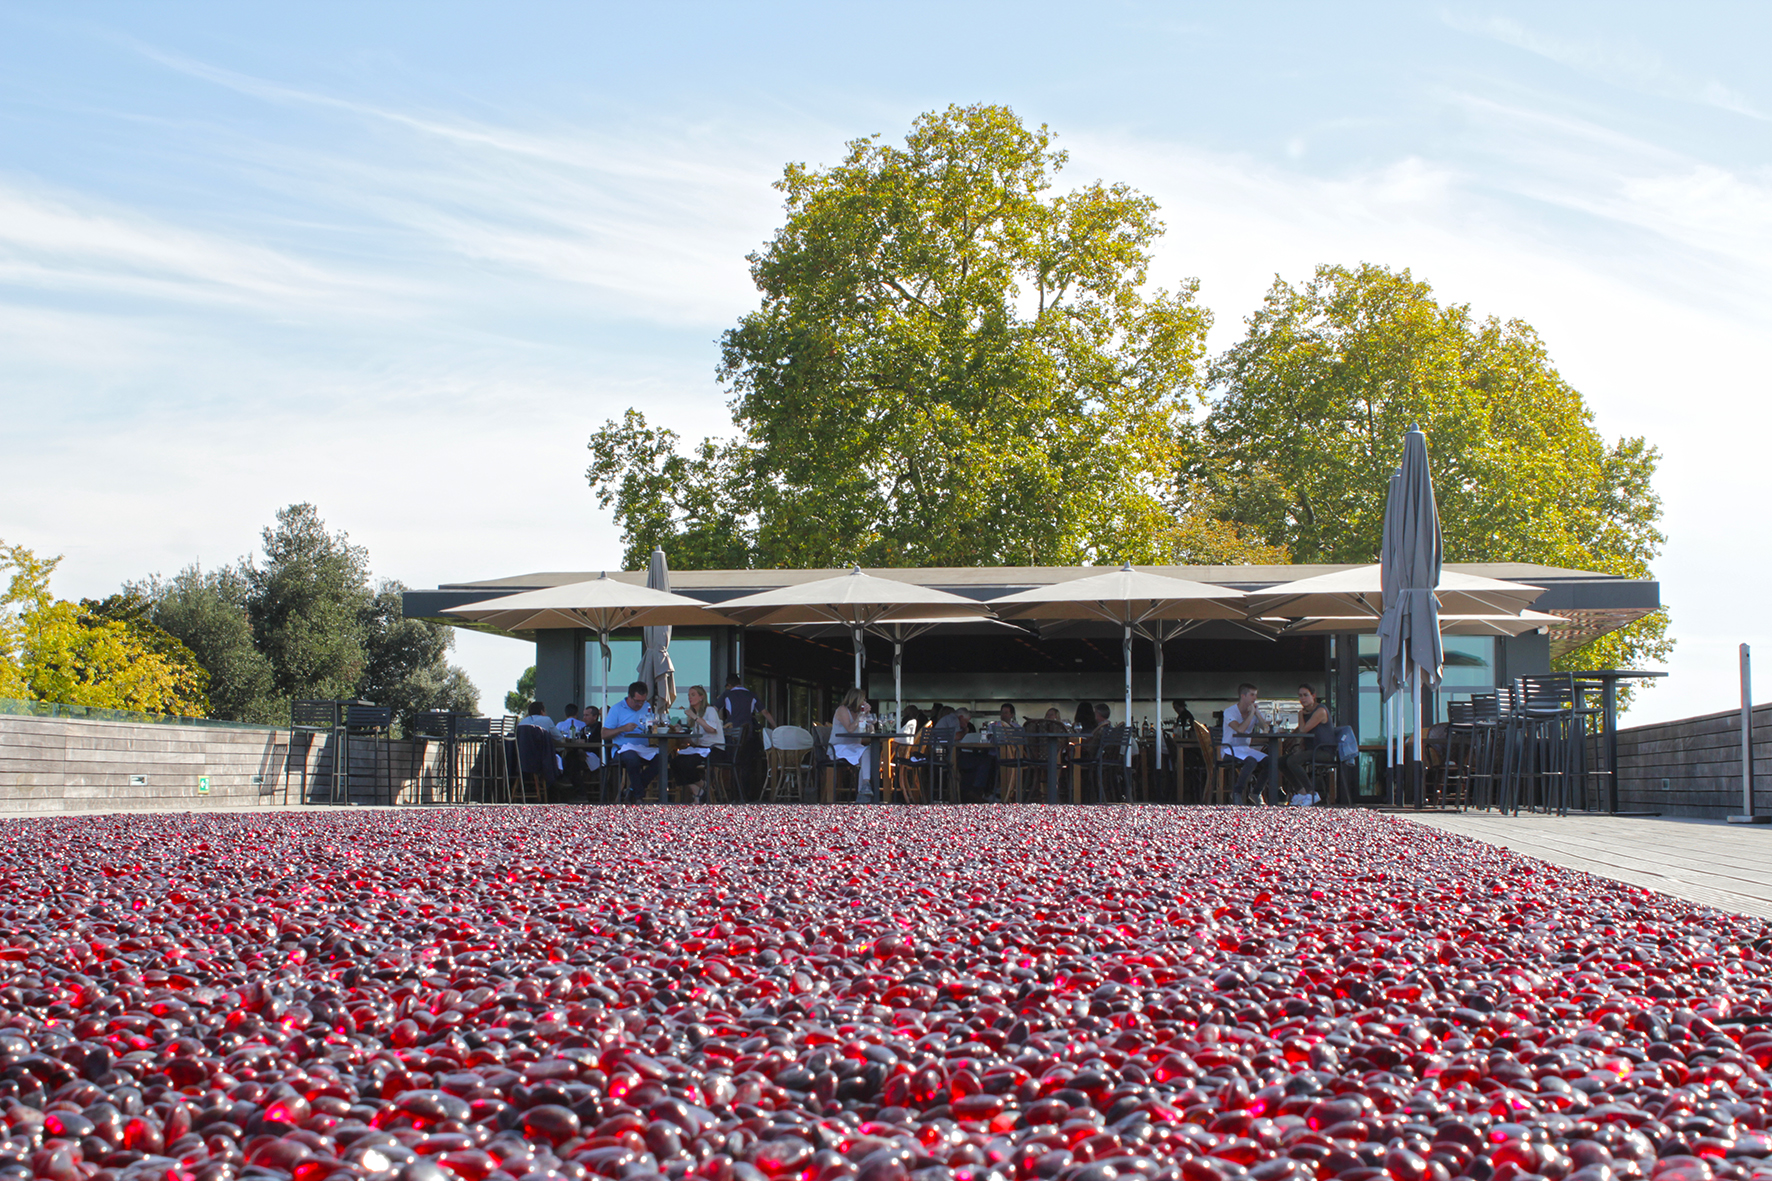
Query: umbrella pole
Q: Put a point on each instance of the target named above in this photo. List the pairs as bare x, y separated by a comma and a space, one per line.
1127, 651
897, 683
1419, 779
1159, 754
858, 653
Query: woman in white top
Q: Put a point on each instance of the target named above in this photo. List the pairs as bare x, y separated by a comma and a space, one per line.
689, 765
852, 717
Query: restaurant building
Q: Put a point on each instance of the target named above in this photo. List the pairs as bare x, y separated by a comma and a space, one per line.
800, 673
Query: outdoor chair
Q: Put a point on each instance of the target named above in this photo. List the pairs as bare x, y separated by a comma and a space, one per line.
1328, 763
535, 765
902, 769
1482, 770
1106, 765
1215, 789
789, 754
722, 771
833, 774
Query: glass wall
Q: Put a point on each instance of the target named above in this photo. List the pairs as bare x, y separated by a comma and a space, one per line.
1469, 668
692, 653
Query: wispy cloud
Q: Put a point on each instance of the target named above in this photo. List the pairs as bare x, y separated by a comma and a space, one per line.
1612, 61
71, 242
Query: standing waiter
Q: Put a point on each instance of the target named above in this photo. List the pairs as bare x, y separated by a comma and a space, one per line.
740, 707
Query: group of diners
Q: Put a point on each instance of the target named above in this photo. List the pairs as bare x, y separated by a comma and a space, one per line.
739, 713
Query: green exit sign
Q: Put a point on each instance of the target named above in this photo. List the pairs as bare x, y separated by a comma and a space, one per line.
202, 785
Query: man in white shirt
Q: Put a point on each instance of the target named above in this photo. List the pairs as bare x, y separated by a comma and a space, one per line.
1240, 721
626, 724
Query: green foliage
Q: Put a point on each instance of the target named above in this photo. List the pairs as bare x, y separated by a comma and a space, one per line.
107, 654
207, 611
1317, 396
949, 365
407, 665
517, 700
306, 603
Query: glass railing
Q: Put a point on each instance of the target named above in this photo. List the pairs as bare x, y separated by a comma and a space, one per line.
92, 713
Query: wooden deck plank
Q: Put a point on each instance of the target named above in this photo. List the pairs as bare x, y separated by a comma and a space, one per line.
1727, 866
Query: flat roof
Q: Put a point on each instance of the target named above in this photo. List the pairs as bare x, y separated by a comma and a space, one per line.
1591, 603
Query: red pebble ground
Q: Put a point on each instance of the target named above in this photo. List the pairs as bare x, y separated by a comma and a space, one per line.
817, 994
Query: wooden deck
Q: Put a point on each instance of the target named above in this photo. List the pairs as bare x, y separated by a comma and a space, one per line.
1728, 866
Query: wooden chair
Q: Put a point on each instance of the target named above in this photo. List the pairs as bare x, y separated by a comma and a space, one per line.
899, 772
1217, 791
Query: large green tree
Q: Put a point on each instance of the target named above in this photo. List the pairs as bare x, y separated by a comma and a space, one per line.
306, 601
407, 661
1312, 405
951, 363
208, 611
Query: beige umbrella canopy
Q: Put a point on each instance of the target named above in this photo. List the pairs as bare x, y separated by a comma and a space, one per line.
859, 602
1360, 591
601, 604
1450, 625
1152, 605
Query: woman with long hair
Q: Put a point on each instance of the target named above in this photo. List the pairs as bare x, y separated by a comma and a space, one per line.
852, 717
689, 765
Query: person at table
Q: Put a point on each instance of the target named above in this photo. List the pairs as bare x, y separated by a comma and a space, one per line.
977, 765
745, 713
626, 726
578, 765
1004, 725
706, 734
1100, 715
537, 715
1083, 721
1313, 728
852, 717
1240, 721
1184, 718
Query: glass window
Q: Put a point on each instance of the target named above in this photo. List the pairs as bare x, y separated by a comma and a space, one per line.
691, 654
1469, 668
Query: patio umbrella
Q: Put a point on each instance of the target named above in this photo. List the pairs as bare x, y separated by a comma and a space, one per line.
656, 668
859, 602
601, 604
1151, 605
901, 632
1359, 591
1450, 625
1409, 649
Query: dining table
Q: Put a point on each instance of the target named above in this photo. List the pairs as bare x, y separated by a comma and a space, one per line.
875, 740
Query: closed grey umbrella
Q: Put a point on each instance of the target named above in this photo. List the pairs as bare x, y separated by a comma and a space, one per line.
656, 669
1409, 650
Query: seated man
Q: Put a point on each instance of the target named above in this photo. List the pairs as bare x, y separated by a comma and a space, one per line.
627, 724
1004, 725
579, 764
1240, 721
977, 765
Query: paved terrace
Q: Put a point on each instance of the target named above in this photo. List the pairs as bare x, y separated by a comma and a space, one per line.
1728, 866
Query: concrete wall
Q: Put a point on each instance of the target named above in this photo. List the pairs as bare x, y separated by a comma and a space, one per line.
78, 764
1692, 767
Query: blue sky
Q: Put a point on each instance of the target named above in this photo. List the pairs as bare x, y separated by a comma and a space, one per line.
401, 259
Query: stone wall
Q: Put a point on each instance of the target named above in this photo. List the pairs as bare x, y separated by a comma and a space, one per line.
50, 764
1692, 767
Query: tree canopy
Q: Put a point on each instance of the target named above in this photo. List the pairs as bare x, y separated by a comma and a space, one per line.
106, 653
305, 621
950, 364
1313, 402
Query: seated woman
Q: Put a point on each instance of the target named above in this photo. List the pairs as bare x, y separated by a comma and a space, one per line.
689, 765
1313, 727
852, 718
